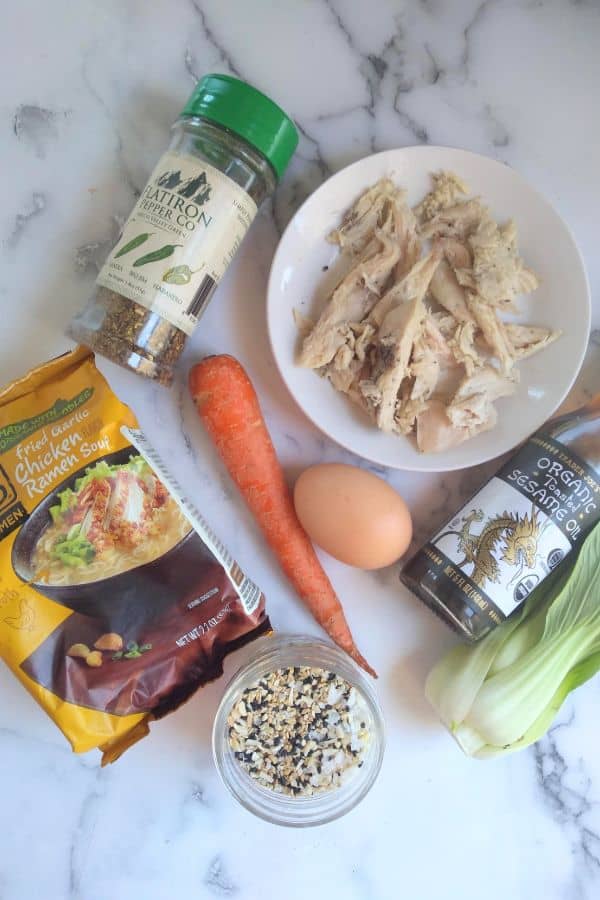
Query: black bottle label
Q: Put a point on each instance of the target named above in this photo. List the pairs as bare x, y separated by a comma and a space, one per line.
511, 534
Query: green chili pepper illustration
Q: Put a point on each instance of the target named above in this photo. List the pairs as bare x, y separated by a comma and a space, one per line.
178, 275
133, 243
156, 255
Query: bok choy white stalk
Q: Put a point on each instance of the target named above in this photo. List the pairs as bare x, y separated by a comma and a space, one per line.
502, 693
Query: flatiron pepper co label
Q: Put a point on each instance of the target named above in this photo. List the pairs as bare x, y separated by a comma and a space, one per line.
517, 528
179, 239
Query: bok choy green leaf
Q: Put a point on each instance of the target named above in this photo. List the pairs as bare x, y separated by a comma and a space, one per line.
502, 693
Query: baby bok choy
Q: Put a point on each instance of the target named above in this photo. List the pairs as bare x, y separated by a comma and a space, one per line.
502, 693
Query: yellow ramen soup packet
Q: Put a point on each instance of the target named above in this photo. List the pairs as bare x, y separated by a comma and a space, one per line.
116, 599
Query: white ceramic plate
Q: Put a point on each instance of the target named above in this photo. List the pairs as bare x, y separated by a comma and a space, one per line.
299, 280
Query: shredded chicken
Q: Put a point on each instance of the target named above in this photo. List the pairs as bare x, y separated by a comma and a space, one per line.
350, 302
449, 294
344, 355
364, 334
498, 271
345, 380
456, 252
408, 239
425, 369
424, 372
446, 188
395, 338
456, 221
529, 339
436, 433
365, 217
463, 348
357, 293
471, 411
303, 323
470, 404
492, 328
444, 322
417, 340
435, 338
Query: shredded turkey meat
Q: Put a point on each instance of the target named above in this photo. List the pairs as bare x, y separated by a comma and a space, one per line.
413, 331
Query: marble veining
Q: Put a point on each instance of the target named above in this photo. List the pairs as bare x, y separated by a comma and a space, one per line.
92, 92
566, 791
217, 880
36, 126
36, 205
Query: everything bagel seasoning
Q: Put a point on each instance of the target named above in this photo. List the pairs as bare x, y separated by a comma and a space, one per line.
300, 730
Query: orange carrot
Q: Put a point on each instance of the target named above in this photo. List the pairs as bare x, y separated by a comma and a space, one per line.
228, 406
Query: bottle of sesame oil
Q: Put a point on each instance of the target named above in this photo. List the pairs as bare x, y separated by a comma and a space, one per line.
485, 561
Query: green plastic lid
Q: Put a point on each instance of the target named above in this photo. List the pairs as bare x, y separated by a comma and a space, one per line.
243, 109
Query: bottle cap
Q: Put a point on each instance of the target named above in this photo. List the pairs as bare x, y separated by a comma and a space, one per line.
250, 114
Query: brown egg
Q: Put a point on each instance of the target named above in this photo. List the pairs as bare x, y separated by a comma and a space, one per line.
353, 515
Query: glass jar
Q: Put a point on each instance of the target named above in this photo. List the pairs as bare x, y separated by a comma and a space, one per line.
280, 652
229, 148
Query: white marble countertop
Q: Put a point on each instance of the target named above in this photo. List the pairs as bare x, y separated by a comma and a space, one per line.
88, 95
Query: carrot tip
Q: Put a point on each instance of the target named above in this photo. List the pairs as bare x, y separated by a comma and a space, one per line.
361, 661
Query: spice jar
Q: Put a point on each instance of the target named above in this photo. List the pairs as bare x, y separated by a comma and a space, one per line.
230, 146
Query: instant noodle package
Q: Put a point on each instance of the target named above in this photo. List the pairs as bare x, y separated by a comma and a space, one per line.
117, 601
